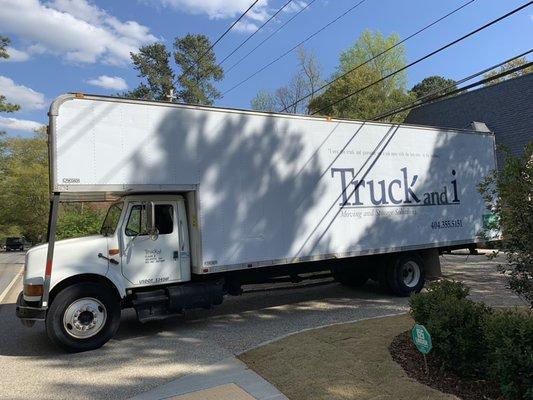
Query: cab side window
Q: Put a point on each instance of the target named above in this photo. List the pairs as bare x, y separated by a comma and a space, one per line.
164, 220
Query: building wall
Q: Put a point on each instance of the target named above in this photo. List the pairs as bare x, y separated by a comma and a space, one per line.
506, 108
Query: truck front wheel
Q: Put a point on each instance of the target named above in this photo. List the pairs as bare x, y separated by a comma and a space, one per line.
83, 317
405, 274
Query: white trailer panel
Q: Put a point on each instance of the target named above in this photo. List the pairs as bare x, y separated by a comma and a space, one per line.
276, 188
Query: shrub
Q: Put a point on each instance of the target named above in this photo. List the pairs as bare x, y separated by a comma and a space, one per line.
474, 340
509, 344
425, 304
455, 324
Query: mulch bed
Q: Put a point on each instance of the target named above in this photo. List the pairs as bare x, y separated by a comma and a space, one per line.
404, 352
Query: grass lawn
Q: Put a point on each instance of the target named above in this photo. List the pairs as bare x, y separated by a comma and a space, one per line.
348, 361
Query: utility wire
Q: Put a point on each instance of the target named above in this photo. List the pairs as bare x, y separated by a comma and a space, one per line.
426, 56
378, 55
255, 32
438, 93
453, 89
220, 37
294, 47
269, 36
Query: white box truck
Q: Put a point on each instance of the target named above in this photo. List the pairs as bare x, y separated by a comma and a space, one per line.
209, 199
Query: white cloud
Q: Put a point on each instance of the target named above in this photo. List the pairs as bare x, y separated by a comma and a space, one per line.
15, 55
109, 82
24, 96
74, 29
216, 9
19, 124
222, 9
245, 26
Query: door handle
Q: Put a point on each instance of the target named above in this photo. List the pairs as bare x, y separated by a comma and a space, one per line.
111, 260
176, 255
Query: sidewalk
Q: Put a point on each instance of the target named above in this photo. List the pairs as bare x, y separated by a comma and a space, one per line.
229, 379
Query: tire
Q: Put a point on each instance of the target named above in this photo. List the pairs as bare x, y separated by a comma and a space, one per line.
350, 277
83, 317
405, 274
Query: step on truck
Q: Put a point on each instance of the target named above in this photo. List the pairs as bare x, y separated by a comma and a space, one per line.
206, 200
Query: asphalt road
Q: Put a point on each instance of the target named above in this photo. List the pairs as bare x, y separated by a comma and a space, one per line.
142, 357
11, 264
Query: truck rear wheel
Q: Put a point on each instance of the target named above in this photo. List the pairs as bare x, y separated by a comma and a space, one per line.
405, 274
83, 317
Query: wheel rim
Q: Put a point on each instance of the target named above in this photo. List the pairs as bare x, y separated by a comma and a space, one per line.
84, 318
411, 274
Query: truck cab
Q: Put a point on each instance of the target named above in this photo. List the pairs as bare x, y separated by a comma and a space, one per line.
140, 259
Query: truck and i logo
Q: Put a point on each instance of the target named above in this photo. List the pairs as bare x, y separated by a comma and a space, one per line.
396, 192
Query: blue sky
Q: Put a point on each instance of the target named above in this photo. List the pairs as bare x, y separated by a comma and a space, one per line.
61, 46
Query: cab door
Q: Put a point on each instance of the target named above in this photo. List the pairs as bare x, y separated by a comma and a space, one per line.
151, 260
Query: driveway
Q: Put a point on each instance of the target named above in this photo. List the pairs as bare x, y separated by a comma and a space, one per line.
142, 357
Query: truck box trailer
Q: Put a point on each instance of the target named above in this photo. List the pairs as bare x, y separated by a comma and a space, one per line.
207, 199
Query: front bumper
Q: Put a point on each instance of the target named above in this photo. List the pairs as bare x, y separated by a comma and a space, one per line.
27, 313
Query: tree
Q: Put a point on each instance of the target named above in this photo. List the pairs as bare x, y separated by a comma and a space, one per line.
197, 62
432, 84
302, 88
6, 107
518, 62
4, 42
264, 101
509, 197
152, 62
388, 94
193, 83
25, 193
24, 181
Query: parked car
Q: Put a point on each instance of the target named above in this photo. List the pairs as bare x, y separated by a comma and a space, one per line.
16, 244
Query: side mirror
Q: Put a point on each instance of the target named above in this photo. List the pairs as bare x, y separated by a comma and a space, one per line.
150, 221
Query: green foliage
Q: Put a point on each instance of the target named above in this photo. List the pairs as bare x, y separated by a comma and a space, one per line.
432, 84
6, 107
424, 305
387, 95
76, 220
474, 340
152, 63
198, 66
24, 182
264, 101
509, 195
455, 324
507, 67
197, 71
509, 340
4, 42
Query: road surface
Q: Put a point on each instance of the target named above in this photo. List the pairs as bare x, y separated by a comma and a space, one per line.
142, 357
11, 264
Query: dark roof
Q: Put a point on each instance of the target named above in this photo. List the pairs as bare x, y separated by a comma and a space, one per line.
506, 108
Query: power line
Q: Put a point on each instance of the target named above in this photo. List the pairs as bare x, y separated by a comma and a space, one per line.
221, 36
426, 56
255, 32
294, 47
272, 34
379, 55
453, 89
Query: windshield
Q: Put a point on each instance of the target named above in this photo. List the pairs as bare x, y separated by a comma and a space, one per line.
111, 219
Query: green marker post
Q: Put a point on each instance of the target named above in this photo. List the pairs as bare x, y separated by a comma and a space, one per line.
422, 340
